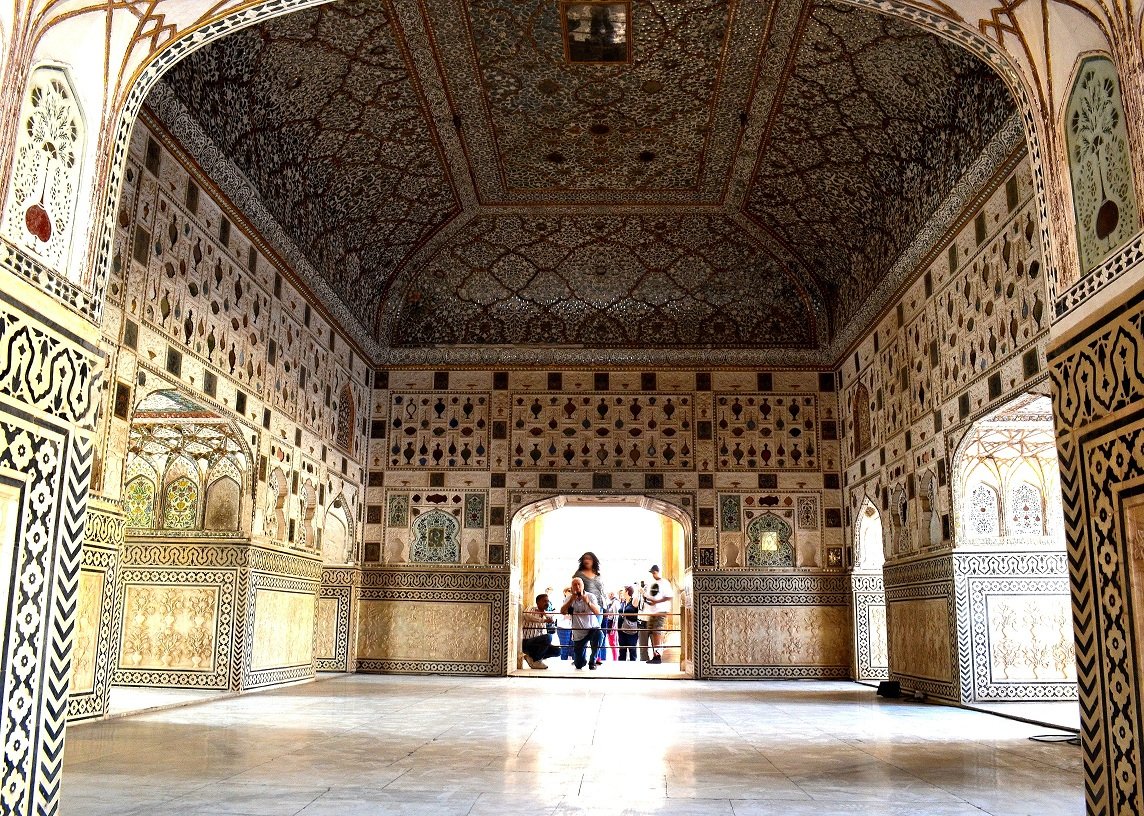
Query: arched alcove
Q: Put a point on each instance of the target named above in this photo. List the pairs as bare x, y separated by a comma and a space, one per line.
1008, 510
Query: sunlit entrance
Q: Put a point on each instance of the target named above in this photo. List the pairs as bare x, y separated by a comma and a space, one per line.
628, 535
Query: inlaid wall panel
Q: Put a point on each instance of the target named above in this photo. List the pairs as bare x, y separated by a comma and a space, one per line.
777, 625
432, 623
335, 644
919, 633
922, 625
46, 454
191, 614
283, 629
1015, 615
871, 646
97, 627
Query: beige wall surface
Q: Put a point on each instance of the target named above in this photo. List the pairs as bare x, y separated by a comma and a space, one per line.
283, 629
919, 638
422, 631
169, 627
89, 605
781, 635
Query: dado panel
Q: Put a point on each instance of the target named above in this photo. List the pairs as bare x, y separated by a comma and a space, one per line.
283, 629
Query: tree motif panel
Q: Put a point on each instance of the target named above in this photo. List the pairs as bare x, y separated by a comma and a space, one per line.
648, 431
139, 500
1026, 511
1103, 194
759, 432
45, 175
181, 505
430, 430
984, 513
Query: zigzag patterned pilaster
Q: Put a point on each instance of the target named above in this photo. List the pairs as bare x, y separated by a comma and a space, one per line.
69, 546
1098, 390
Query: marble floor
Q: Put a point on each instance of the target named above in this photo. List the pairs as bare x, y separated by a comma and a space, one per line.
476, 747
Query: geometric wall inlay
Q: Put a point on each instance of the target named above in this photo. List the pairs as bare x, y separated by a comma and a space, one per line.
436, 538
759, 432
602, 431
429, 430
620, 281
769, 542
807, 513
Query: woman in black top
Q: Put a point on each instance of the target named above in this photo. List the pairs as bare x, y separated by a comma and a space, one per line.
629, 624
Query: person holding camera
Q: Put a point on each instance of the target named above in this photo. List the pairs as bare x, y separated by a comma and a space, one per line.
657, 603
537, 643
584, 610
588, 571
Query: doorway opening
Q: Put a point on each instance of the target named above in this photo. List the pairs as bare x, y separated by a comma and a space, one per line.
628, 535
1009, 534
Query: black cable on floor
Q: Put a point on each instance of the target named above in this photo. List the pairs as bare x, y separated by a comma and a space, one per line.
1071, 739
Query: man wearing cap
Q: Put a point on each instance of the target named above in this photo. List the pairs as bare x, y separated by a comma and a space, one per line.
657, 602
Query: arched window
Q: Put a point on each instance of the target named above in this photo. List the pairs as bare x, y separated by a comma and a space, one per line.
181, 505
768, 542
984, 513
860, 411
1026, 511
139, 501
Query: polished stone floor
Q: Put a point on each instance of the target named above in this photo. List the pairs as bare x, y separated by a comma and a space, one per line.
443, 746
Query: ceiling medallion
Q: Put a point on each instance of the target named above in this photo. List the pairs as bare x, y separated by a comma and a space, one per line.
596, 32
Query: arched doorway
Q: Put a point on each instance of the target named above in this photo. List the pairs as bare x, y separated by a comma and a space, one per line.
871, 649
1009, 551
655, 532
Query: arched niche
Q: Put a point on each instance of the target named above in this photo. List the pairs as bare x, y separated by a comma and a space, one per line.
222, 504
172, 436
337, 541
869, 547
1006, 480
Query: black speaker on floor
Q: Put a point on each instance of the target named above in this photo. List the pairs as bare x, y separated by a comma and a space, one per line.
890, 689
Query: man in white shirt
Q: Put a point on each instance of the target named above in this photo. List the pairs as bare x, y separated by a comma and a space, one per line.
537, 643
585, 612
657, 600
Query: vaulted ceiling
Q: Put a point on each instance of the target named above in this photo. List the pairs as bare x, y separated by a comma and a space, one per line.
743, 178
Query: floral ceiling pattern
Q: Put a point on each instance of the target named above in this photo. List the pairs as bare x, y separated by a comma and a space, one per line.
877, 123
744, 182
624, 281
319, 109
